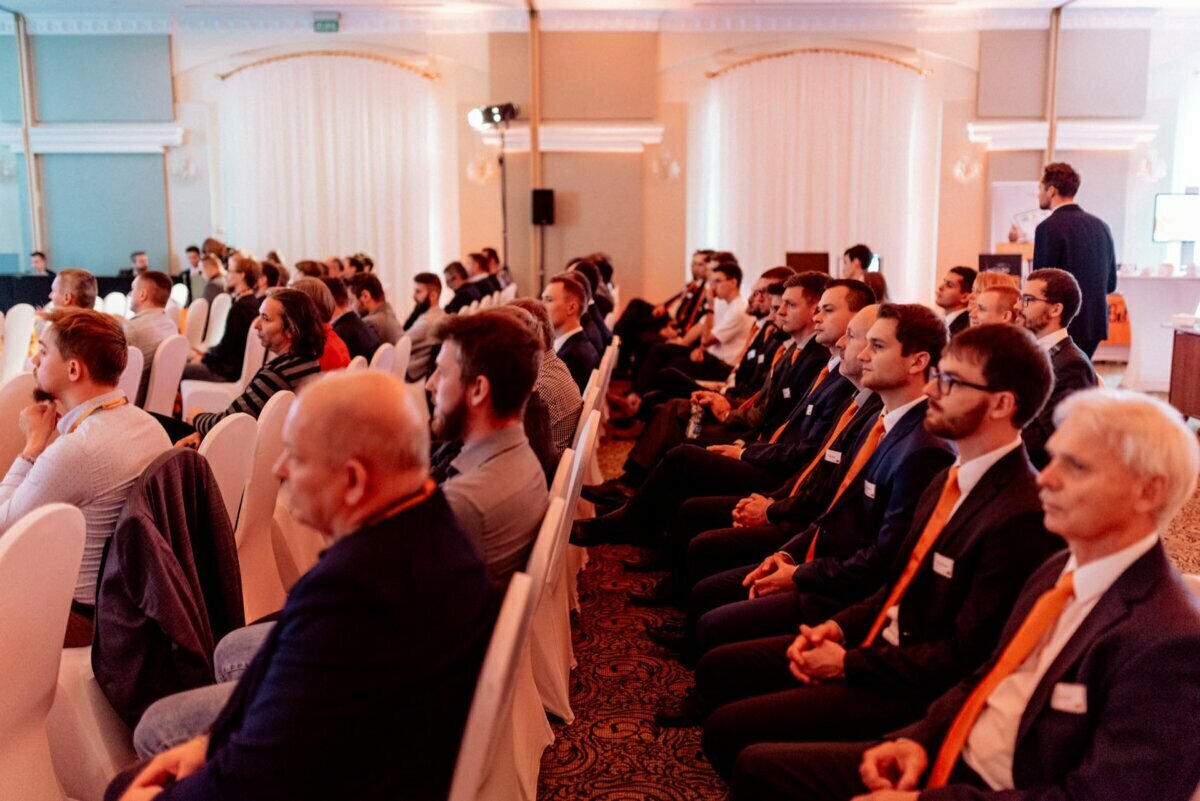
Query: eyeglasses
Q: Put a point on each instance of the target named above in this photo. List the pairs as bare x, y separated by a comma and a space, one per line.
947, 383
1025, 300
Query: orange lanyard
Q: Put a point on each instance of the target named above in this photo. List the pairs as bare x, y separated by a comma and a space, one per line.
112, 404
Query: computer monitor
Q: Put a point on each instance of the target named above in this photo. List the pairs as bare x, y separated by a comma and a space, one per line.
1176, 218
804, 262
1007, 263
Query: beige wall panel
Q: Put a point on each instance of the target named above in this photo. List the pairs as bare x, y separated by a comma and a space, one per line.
1012, 73
599, 76
962, 207
508, 71
666, 258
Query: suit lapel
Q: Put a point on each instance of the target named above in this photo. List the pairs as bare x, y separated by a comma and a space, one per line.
993, 482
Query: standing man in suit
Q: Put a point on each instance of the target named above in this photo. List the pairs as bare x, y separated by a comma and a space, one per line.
1073, 240
564, 298
952, 295
976, 538
357, 647
1095, 685
422, 325
1048, 304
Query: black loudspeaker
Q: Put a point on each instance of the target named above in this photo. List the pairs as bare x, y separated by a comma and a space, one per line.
543, 207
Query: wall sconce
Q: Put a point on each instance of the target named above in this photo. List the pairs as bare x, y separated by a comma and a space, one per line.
665, 168
1149, 167
966, 169
481, 169
183, 170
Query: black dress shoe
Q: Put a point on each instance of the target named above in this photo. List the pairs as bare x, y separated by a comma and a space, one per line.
685, 713
662, 593
610, 493
652, 560
611, 529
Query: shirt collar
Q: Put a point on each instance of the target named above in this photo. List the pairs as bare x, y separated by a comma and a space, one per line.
1048, 342
1093, 579
474, 455
834, 362
894, 416
476, 279
148, 312
952, 316
68, 419
970, 472
802, 344
561, 340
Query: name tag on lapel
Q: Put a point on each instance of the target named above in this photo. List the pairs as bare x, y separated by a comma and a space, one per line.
808, 411
943, 566
833, 457
1068, 697
750, 354
787, 392
761, 357
869, 489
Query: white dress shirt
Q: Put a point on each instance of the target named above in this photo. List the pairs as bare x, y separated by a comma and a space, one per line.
561, 340
894, 416
730, 325
1047, 342
91, 468
993, 739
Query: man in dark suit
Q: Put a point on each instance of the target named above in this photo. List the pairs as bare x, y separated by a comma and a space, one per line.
357, 648
1073, 240
360, 338
953, 294
1095, 686
976, 538
564, 298
465, 292
642, 325
1049, 302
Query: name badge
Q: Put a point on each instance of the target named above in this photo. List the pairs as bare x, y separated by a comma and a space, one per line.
808, 411
787, 392
943, 566
869, 489
750, 353
833, 457
761, 357
1068, 697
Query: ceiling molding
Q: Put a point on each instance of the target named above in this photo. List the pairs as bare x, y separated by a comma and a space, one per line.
148, 137
98, 24
579, 137
1072, 134
357, 22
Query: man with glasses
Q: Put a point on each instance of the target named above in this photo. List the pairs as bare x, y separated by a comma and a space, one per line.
1048, 304
975, 539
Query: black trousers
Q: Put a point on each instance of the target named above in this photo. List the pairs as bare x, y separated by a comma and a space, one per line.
638, 329
702, 541
666, 429
755, 699
664, 356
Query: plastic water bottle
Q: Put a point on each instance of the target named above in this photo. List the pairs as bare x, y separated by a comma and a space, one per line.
693, 426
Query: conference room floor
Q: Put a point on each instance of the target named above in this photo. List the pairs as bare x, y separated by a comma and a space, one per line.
613, 751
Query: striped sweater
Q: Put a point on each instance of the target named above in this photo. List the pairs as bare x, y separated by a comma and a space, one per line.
280, 374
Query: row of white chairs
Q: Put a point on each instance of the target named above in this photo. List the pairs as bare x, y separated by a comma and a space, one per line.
498, 298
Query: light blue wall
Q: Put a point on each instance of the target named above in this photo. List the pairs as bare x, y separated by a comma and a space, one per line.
17, 261
10, 80
103, 78
100, 208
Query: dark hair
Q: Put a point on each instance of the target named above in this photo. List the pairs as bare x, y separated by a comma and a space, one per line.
136, 253
776, 289
777, 274
192, 249
428, 279
502, 350
730, 270
1061, 287
1011, 362
369, 283
480, 261
490, 254
358, 261
858, 294
590, 272
811, 283
860, 253
247, 267
270, 271
455, 269
966, 276
81, 284
604, 265
720, 256
337, 290
158, 286
918, 329
301, 321
878, 285
1062, 177
573, 286
310, 268
319, 294
92, 337
539, 313
284, 275
336, 260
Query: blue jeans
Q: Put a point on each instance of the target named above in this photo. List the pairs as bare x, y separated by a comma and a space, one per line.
174, 720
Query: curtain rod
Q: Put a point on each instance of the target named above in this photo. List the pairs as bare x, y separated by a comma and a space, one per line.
817, 50
424, 73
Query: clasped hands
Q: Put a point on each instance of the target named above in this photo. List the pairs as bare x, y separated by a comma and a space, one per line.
751, 511
818, 654
715, 402
892, 770
772, 576
172, 765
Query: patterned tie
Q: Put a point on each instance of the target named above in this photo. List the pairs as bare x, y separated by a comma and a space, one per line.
821, 376
847, 416
1043, 615
933, 529
779, 353
860, 459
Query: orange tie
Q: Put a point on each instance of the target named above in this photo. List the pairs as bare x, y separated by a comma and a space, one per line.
847, 416
860, 459
821, 376
1043, 615
937, 522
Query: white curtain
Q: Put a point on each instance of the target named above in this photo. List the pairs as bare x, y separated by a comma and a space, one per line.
812, 152
332, 155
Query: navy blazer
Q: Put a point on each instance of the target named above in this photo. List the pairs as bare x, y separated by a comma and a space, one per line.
862, 532
809, 424
1073, 240
953, 610
580, 357
960, 323
597, 317
466, 294
1135, 658
362, 688
750, 374
783, 388
592, 331
1073, 371
360, 338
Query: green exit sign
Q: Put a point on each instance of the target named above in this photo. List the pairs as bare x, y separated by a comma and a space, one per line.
326, 25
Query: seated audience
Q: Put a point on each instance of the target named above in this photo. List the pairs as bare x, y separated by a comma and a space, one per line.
1050, 301
486, 368
37, 260
309, 269
358, 264
367, 293
73, 288
358, 647
494, 267
270, 276
1095, 681
554, 383
150, 325
89, 456
334, 267
564, 298
465, 293
953, 296
477, 273
604, 291
139, 262
335, 355
214, 278
360, 338
223, 361
599, 307
642, 325
422, 325
997, 304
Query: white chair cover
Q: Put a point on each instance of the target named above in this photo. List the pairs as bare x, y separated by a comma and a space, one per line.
509, 292
229, 448
179, 294
357, 363
218, 315
98, 304
165, 372
384, 357
585, 448
18, 331
15, 394
39, 562
403, 356
262, 590
551, 653
487, 301
115, 303
131, 376
215, 396
197, 319
175, 312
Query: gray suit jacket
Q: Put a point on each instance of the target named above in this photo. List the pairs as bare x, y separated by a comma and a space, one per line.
424, 343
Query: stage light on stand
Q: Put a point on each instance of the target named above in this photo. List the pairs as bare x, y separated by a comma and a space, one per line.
497, 116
